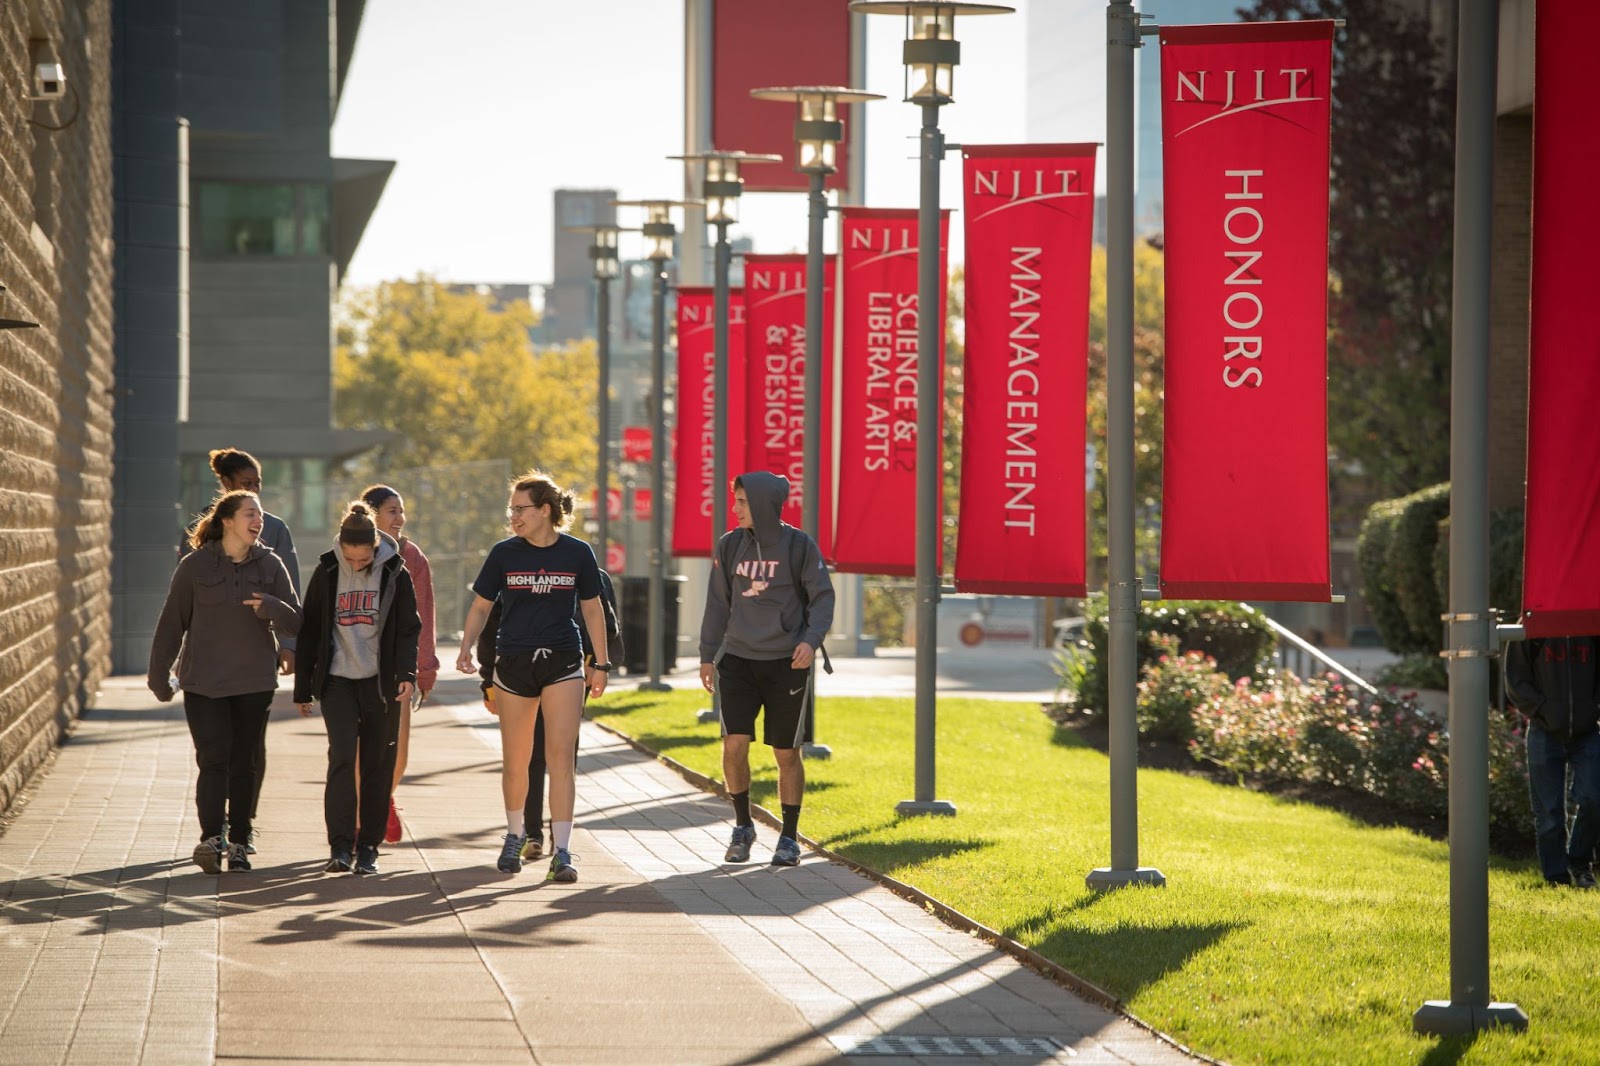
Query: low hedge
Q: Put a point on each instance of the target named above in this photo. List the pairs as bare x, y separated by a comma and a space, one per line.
1377, 585
1411, 569
1237, 637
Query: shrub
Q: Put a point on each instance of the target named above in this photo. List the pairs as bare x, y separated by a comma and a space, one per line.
1415, 671
1410, 566
1505, 562
1509, 807
1254, 730
1377, 587
1173, 686
1238, 637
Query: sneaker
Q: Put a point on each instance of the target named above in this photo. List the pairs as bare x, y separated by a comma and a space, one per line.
532, 848
511, 854
238, 857
250, 845
391, 835
366, 859
561, 868
739, 847
339, 862
787, 852
1583, 879
208, 854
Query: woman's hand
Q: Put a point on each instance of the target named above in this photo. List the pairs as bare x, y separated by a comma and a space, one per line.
464, 661
597, 683
305, 709
403, 693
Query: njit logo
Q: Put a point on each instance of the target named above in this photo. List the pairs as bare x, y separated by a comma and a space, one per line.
1238, 91
541, 581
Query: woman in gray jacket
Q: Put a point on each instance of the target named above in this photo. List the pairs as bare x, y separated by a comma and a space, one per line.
228, 608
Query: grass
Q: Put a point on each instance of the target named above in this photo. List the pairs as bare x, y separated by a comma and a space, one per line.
1286, 932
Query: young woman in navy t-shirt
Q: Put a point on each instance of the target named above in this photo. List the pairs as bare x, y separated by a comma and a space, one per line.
540, 575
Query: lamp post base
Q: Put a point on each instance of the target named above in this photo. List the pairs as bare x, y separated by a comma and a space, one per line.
816, 751
1107, 879
1442, 1017
706, 714
654, 686
917, 808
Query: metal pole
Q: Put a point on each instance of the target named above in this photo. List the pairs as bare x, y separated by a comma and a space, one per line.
1467, 623
811, 459
602, 307
658, 455
719, 447
930, 515
1122, 37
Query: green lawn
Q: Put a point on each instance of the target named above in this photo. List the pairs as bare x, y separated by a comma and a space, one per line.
1286, 933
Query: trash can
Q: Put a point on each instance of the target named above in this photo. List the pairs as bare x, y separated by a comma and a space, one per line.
635, 619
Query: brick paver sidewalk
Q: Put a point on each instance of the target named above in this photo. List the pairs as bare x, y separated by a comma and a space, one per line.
114, 948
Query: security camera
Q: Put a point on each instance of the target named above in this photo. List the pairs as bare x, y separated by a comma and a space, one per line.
49, 83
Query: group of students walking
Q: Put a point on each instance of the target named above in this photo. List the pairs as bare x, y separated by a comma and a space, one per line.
542, 628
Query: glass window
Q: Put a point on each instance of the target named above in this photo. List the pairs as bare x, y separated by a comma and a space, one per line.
242, 218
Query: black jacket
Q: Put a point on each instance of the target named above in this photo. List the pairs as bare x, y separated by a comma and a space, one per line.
397, 642
1556, 683
608, 604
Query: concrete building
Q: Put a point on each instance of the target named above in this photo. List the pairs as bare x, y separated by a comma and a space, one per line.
57, 389
235, 225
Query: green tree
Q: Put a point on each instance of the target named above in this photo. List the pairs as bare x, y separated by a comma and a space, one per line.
455, 380
1390, 227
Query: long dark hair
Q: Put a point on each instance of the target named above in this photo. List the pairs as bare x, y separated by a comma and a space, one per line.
209, 526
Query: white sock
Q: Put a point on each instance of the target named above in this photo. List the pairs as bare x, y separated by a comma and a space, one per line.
562, 832
514, 823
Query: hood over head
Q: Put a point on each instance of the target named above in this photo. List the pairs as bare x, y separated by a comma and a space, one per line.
767, 493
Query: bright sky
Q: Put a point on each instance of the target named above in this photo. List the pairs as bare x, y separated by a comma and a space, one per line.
490, 108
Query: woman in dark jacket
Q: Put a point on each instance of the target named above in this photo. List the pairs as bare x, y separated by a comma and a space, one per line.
229, 608
358, 655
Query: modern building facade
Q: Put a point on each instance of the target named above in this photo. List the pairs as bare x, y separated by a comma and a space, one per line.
237, 224
57, 387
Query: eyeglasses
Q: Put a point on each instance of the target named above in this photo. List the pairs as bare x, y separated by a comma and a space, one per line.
517, 508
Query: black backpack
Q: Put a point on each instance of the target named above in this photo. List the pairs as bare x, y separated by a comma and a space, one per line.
797, 559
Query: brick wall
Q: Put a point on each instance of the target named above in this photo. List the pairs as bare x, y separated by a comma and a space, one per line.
56, 382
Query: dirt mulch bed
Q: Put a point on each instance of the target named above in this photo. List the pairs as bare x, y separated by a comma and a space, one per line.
1361, 806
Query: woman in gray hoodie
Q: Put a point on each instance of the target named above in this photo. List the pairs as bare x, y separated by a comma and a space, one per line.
358, 655
228, 610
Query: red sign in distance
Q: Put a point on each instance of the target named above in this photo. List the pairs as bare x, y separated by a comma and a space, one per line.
616, 558
636, 444
613, 503
641, 505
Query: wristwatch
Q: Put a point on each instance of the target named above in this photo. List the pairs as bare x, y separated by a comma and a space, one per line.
605, 668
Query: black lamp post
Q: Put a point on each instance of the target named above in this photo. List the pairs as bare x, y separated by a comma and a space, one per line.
659, 232
603, 251
931, 53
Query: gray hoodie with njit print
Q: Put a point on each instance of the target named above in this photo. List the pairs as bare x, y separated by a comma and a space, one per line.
753, 604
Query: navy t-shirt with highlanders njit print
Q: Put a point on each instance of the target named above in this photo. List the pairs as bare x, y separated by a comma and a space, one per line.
538, 589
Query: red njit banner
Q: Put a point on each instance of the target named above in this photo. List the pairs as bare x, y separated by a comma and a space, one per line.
1561, 539
775, 374
1244, 134
762, 43
878, 388
1030, 234
694, 443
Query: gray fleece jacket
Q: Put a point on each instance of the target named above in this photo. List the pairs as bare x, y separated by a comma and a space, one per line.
358, 617
222, 647
755, 612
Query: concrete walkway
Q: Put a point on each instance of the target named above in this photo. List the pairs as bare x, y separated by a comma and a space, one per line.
114, 948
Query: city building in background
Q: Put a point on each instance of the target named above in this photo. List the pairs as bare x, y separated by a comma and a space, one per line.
236, 224
569, 311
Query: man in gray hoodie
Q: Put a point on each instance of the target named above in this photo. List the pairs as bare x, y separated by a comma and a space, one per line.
769, 603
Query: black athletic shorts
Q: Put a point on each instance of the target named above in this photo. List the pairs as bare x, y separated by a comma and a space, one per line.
748, 685
527, 673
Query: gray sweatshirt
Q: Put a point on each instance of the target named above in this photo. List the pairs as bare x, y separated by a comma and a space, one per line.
222, 647
358, 617
755, 611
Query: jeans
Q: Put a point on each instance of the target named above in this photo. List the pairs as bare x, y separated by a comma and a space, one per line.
227, 733
1550, 756
358, 719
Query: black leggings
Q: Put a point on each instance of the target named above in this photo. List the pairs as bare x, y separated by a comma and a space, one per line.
227, 732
